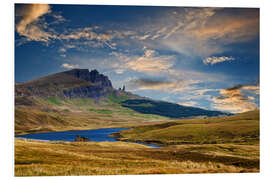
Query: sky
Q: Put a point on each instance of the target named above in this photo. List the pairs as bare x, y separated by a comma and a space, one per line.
202, 57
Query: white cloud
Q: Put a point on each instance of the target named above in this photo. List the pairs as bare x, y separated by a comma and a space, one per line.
150, 62
70, 66
62, 50
214, 60
189, 103
143, 37
58, 18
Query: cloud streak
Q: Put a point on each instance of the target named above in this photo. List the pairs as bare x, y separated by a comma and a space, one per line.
189, 103
173, 86
150, 62
69, 66
204, 31
30, 24
191, 31
214, 60
235, 100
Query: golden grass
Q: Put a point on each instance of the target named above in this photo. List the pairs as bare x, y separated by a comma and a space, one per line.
35, 158
238, 129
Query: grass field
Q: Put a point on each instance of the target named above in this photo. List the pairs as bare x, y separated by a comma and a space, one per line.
238, 129
217, 145
34, 158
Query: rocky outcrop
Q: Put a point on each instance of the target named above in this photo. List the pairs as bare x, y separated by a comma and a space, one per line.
81, 139
86, 92
75, 83
100, 87
92, 76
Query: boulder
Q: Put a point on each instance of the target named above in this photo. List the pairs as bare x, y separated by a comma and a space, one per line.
81, 139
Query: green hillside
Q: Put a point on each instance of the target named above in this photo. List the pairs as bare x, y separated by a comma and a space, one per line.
38, 114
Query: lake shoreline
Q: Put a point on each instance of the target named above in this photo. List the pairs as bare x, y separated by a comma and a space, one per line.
109, 136
119, 137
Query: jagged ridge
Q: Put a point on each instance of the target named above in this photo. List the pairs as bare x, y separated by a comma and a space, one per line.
72, 84
92, 76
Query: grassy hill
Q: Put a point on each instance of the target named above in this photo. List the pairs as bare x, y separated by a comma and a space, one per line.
238, 129
40, 114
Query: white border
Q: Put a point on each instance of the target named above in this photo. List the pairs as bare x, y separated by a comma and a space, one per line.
204, 3
7, 84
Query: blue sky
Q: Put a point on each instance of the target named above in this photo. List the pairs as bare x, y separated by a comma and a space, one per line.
203, 57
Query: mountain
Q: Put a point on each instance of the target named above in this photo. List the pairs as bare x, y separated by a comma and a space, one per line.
71, 84
82, 83
83, 99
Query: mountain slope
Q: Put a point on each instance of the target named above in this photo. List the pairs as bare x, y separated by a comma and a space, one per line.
80, 83
79, 99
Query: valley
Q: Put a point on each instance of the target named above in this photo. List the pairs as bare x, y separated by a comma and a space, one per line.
192, 140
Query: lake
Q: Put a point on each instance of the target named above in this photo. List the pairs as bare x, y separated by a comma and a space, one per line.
93, 135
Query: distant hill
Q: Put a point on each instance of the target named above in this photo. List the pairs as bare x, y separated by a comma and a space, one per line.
167, 109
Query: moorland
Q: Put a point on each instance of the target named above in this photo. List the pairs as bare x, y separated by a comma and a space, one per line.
193, 140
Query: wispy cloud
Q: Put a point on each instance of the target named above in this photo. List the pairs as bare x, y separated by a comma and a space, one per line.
204, 31
87, 34
30, 25
143, 84
214, 60
189, 103
173, 86
70, 66
255, 89
191, 31
149, 62
234, 100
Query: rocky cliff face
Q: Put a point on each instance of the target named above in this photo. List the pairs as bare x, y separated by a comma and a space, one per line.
76, 83
86, 92
92, 76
